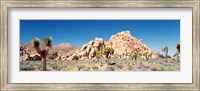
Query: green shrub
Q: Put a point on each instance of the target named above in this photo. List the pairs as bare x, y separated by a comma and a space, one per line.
108, 52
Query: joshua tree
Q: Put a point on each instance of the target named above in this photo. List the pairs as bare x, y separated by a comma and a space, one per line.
43, 53
176, 55
108, 52
178, 48
165, 50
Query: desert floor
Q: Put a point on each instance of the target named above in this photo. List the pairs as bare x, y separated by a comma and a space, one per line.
103, 64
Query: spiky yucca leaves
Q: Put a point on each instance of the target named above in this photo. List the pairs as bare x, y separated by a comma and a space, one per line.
35, 42
48, 41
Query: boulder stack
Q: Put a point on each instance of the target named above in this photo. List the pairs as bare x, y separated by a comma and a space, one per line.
90, 49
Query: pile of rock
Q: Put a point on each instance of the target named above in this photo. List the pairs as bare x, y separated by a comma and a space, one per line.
121, 42
90, 49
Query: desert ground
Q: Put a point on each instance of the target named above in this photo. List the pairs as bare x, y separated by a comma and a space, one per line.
104, 64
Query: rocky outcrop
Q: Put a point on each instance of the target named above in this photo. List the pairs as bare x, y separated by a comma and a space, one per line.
90, 49
123, 42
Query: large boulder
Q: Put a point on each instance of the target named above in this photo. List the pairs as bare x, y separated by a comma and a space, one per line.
92, 53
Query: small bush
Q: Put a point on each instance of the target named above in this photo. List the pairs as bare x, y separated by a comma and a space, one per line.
75, 58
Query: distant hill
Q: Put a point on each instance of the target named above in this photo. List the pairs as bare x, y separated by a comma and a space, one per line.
62, 48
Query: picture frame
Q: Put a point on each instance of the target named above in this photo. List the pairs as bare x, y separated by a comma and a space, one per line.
7, 4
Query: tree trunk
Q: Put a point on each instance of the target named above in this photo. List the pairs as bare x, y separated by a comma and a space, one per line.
43, 64
106, 55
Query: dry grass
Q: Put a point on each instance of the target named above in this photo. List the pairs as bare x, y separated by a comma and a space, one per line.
103, 64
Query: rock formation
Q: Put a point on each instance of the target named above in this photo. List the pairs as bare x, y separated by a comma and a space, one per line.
90, 49
123, 42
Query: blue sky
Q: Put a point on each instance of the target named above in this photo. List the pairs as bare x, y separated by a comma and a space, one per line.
155, 33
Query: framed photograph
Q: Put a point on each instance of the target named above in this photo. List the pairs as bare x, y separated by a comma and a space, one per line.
100, 45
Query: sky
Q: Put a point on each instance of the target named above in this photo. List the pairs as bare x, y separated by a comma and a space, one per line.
155, 33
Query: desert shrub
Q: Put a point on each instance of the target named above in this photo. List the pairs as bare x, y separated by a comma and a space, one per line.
36, 57
108, 52
53, 55
75, 57
99, 54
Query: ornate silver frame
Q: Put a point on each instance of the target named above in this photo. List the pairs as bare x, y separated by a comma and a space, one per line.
6, 4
